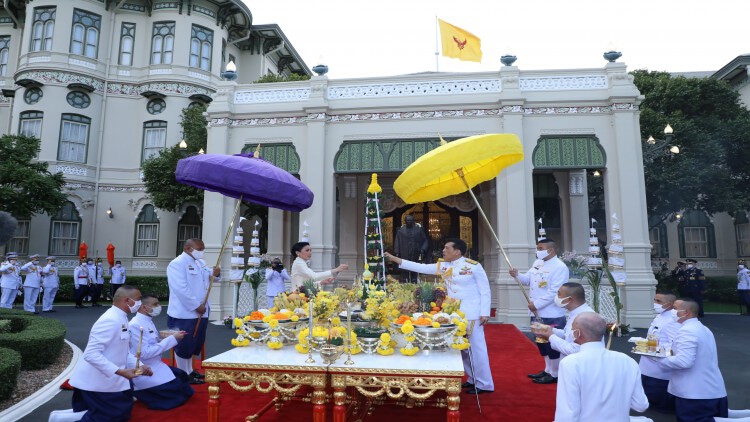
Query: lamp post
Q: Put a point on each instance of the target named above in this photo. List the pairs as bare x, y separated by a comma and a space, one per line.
655, 148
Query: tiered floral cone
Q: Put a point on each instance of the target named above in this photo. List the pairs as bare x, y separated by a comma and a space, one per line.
595, 260
253, 261
542, 231
616, 259
238, 255
373, 234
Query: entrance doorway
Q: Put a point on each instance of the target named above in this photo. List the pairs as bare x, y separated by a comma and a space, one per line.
440, 222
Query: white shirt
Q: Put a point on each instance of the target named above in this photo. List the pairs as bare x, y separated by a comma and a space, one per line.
33, 278
51, 277
301, 273
188, 280
544, 279
562, 340
152, 347
118, 275
695, 364
81, 275
465, 279
743, 279
667, 330
275, 281
106, 352
597, 384
92, 273
11, 275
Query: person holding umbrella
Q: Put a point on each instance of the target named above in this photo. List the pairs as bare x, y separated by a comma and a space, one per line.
189, 279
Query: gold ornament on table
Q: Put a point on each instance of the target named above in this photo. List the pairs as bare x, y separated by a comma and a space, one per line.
138, 369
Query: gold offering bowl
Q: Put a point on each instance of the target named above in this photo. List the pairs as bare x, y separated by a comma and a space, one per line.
330, 353
431, 338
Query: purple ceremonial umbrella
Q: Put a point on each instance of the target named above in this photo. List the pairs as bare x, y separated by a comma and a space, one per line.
254, 179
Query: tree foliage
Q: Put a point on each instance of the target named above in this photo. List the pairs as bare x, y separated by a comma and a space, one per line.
269, 78
158, 171
711, 128
26, 186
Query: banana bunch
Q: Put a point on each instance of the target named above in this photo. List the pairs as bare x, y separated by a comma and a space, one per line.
290, 301
451, 305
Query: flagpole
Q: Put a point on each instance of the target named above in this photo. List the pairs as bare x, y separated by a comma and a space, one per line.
437, 45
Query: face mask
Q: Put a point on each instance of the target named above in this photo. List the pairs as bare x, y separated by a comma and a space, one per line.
52, 263
675, 315
690, 266
156, 311
559, 301
117, 265
658, 309
13, 261
541, 254
135, 307
90, 263
35, 262
197, 254
741, 266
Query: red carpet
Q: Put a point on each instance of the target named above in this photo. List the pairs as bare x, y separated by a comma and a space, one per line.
516, 398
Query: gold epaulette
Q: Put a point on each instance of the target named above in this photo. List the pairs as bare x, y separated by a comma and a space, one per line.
471, 261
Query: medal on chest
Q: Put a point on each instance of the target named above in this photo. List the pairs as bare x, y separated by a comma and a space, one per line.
466, 270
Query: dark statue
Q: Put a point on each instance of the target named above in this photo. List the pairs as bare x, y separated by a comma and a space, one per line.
411, 244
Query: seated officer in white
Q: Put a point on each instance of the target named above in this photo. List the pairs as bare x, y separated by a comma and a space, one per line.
101, 380
655, 378
169, 387
31, 283
597, 384
466, 281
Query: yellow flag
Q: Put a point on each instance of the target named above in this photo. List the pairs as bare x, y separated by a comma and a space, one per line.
459, 43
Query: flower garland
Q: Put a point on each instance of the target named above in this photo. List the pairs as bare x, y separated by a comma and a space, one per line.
460, 342
408, 330
384, 345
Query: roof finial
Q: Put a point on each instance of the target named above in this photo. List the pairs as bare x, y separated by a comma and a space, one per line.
256, 154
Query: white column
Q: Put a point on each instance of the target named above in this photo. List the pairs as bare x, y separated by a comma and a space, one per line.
351, 237
579, 211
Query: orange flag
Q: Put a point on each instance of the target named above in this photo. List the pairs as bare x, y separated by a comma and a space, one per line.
459, 43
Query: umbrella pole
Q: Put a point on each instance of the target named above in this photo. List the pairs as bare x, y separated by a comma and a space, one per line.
492, 230
218, 261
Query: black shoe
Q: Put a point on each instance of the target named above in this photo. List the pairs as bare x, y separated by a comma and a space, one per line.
196, 381
547, 379
537, 376
467, 384
196, 374
480, 391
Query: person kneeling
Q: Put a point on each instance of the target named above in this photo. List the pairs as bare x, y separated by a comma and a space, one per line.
169, 387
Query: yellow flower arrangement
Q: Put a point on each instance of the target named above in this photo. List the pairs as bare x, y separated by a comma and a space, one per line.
384, 346
275, 343
239, 331
409, 350
380, 308
267, 319
240, 342
336, 321
460, 343
295, 318
255, 335
410, 338
302, 348
355, 349
274, 323
238, 322
435, 324
385, 352
407, 328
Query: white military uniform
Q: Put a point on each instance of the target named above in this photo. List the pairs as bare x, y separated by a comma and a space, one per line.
275, 284
106, 352
596, 384
152, 348
743, 279
51, 282
10, 281
668, 328
544, 279
562, 340
81, 275
466, 281
118, 274
188, 280
31, 285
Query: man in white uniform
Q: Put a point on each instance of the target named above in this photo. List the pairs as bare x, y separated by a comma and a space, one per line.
169, 387
466, 281
101, 380
743, 286
544, 278
696, 382
118, 277
188, 277
32, 283
276, 275
572, 297
655, 379
81, 283
51, 282
10, 280
597, 384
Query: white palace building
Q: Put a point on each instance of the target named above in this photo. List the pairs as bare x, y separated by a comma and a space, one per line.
102, 83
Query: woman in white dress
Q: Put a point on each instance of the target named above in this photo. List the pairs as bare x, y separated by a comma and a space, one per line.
301, 272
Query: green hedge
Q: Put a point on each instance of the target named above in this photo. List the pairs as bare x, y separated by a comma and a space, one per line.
718, 289
4, 326
39, 340
156, 286
10, 367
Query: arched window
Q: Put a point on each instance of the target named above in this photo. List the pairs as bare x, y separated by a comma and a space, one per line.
84, 37
127, 36
201, 43
43, 28
189, 227
742, 232
696, 235
147, 232
162, 43
4, 45
65, 231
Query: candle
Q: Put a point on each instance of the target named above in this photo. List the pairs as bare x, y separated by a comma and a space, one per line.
311, 321
349, 325
611, 330
138, 353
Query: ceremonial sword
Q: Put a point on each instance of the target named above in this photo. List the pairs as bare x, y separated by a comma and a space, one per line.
471, 363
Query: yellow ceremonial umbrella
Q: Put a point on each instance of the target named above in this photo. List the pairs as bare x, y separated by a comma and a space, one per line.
456, 167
